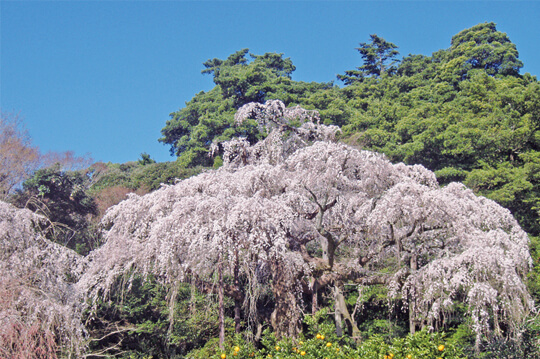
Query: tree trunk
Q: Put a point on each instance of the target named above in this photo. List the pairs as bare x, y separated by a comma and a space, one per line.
221, 313
328, 246
314, 298
412, 320
337, 311
285, 318
237, 303
341, 308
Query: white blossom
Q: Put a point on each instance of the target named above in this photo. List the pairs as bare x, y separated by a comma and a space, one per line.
39, 302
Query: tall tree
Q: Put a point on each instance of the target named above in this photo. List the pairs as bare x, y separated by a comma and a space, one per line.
379, 58
483, 47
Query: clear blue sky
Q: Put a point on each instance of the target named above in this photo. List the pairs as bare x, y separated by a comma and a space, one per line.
102, 77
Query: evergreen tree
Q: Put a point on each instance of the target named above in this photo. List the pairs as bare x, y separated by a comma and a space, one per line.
379, 58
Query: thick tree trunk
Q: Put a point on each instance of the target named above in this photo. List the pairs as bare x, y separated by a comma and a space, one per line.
221, 313
285, 318
328, 246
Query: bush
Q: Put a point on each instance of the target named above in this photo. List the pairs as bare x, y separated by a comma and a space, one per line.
321, 342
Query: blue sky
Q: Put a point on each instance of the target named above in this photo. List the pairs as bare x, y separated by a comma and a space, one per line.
102, 77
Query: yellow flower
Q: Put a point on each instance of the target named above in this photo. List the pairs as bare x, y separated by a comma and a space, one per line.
440, 347
302, 353
277, 348
235, 353
236, 348
391, 355
223, 356
409, 356
328, 344
300, 343
318, 336
294, 349
269, 355
322, 337
337, 349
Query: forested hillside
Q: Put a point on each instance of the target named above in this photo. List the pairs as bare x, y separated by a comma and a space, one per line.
392, 212
465, 112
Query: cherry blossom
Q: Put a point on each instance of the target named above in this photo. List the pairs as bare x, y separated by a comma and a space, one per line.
39, 302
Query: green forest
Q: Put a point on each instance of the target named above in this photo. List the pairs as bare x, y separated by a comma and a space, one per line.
465, 113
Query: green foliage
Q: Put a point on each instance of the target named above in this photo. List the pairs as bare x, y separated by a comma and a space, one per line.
534, 276
136, 175
62, 197
218, 162
527, 344
320, 341
375, 55
145, 159
144, 310
464, 112
483, 47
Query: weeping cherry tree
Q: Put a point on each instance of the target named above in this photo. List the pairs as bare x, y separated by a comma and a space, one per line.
298, 212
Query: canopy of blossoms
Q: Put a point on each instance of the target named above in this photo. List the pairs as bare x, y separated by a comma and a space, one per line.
276, 204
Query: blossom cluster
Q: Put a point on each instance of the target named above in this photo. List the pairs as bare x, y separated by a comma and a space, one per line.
39, 301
